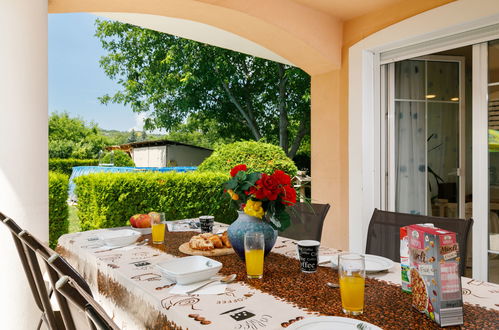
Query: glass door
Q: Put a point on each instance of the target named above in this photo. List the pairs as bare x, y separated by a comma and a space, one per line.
426, 107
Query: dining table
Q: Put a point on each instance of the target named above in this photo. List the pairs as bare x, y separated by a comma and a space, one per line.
134, 292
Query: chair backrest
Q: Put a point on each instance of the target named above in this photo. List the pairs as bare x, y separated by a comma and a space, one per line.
33, 273
383, 235
58, 267
81, 300
306, 221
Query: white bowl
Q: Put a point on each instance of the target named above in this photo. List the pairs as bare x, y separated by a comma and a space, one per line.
189, 269
142, 231
118, 237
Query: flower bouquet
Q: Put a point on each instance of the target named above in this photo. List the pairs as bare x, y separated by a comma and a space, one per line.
262, 195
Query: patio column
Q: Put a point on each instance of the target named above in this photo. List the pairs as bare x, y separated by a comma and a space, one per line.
23, 147
329, 127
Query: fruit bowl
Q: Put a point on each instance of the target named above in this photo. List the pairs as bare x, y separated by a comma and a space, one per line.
142, 231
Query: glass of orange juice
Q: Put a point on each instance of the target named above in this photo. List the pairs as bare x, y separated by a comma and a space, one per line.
352, 275
158, 228
254, 245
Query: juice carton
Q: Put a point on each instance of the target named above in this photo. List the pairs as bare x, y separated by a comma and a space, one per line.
434, 272
404, 260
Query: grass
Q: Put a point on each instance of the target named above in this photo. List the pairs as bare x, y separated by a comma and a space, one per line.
74, 222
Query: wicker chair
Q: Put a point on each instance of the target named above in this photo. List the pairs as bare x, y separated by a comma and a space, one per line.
306, 221
383, 234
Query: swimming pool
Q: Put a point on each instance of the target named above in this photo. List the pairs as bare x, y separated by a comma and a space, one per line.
84, 170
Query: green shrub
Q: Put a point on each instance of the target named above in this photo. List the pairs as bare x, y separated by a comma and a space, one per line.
65, 166
258, 156
109, 199
58, 207
120, 158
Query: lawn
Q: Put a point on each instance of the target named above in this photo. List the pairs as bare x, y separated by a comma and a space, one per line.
74, 222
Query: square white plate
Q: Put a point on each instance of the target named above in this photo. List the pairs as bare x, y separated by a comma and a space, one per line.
119, 237
189, 269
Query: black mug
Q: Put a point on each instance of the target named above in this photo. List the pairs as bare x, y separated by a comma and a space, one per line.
308, 253
206, 223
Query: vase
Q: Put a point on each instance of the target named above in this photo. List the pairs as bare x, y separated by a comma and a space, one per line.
247, 223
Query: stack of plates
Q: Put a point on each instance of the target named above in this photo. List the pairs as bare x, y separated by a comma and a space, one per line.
374, 263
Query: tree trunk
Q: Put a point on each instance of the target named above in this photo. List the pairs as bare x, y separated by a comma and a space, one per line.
302, 131
281, 106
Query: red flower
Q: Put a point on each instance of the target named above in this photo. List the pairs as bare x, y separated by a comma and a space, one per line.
281, 178
237, 168
289, 195
266, 187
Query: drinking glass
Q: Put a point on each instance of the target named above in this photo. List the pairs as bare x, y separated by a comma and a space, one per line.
352, 275
254, 245
158, 228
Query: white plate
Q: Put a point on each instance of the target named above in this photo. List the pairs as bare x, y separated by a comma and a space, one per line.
332, 322
374, 263
189, 269
120, 237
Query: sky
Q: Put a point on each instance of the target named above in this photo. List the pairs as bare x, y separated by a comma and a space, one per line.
75, 77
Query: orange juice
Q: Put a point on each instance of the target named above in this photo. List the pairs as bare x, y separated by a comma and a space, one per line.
352, 294
158, 233
254, 263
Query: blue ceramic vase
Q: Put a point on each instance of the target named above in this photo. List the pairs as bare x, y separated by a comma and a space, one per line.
246, 223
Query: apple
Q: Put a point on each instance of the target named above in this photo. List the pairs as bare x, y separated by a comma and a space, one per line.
144, 221
133, 220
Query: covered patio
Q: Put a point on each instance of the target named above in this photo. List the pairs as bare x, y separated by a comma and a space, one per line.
338, 43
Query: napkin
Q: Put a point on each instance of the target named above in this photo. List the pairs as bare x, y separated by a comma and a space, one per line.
214, 288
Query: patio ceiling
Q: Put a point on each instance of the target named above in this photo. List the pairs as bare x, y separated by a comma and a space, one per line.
197, 31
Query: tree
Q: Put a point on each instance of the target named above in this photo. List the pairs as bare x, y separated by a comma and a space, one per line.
174, 79
133, 137
73, 138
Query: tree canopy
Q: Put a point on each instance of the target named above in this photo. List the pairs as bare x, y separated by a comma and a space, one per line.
73, 138
231, 95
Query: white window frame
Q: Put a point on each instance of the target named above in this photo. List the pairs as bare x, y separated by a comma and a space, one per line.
456, 24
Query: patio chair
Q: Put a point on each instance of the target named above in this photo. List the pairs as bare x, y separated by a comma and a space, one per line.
306, 221
85, 303
383, 235
58, 267
33, 272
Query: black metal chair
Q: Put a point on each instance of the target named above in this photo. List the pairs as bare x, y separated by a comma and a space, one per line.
306, 221
56, 268
82, 301
383, 234
34, 275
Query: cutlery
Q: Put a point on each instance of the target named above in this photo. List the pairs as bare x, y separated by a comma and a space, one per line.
119, 247
226, 280
336, 285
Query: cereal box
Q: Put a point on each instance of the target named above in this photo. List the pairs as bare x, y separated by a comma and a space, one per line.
434, 274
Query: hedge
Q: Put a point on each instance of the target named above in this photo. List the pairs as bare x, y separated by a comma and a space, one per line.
109, 199
258, 156
66, 165
119, 158
58, 207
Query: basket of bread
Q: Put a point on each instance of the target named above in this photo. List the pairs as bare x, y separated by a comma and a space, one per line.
208, 244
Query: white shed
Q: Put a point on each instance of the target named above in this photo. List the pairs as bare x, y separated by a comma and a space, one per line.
164, 153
